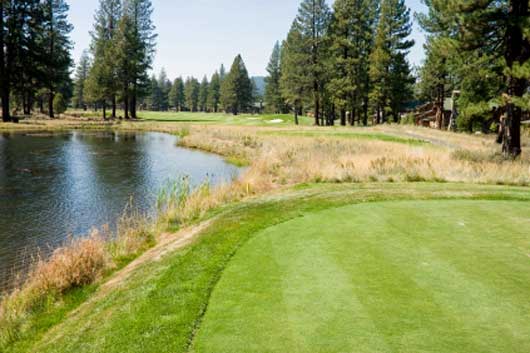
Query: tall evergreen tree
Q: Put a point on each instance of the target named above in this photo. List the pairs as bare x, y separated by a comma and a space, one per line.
389, 70
176, 95
104, 83
500, 28
58, 47
214, 93
273, 97
164, 86
81, 74
351, 38
295, 81
222, 73
313, 22
142, 41
191, 92
23, 59
236, 90
203, 94
124, 45
155, 99
4, 87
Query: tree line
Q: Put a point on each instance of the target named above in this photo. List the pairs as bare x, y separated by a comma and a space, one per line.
482, 50
343, 63
35, 56
232, 92
115, 71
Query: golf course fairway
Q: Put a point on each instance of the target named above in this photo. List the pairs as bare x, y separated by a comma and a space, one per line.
376, 267
390, 276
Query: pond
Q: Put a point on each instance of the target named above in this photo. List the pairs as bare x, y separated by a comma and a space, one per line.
53, 186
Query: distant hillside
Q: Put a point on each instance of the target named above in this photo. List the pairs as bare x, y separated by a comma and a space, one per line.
259, 81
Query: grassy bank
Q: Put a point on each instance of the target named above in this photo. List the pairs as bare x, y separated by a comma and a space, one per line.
161, 305
158, 302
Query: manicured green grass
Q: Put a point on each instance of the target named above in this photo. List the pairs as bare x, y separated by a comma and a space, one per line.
352, 134
412, 276
161, 307
229, 119
208, 118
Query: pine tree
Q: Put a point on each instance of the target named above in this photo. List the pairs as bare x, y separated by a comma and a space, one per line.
203, 94
124, 43
295, 81
273, 98
389, 67
236, 90
81, 74
104, 84
176, 95
23, 58
499, 28
222, 73
4, 86
142, 41
313, 22
214, 94
191, 92
58, 46
164, 86
155, 97
351, 36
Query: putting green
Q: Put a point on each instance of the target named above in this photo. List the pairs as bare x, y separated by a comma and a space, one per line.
407, 276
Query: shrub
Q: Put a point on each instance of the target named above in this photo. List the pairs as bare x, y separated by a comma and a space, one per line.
408, 119
59, 104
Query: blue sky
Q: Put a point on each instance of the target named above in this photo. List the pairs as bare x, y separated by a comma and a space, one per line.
196, 36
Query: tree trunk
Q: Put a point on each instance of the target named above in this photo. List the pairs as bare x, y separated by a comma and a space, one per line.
296, 116
113, 107
104, 111
41, 104
317, 106
133, 103
518, 51
365, 111
51, 95
126, 107
343, 117
4, 74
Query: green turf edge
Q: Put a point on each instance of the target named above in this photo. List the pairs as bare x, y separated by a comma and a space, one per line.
179, 287
356, 134
237, 298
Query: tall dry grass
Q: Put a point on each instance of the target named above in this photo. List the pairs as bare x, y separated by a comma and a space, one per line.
278, 161
286, 160
79, 262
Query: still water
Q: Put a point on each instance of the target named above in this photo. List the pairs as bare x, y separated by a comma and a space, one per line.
56, 185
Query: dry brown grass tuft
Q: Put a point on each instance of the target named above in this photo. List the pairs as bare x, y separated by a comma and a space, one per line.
80, 262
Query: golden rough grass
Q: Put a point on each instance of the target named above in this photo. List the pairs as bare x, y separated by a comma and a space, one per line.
77, 264
80, 262
287, 160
